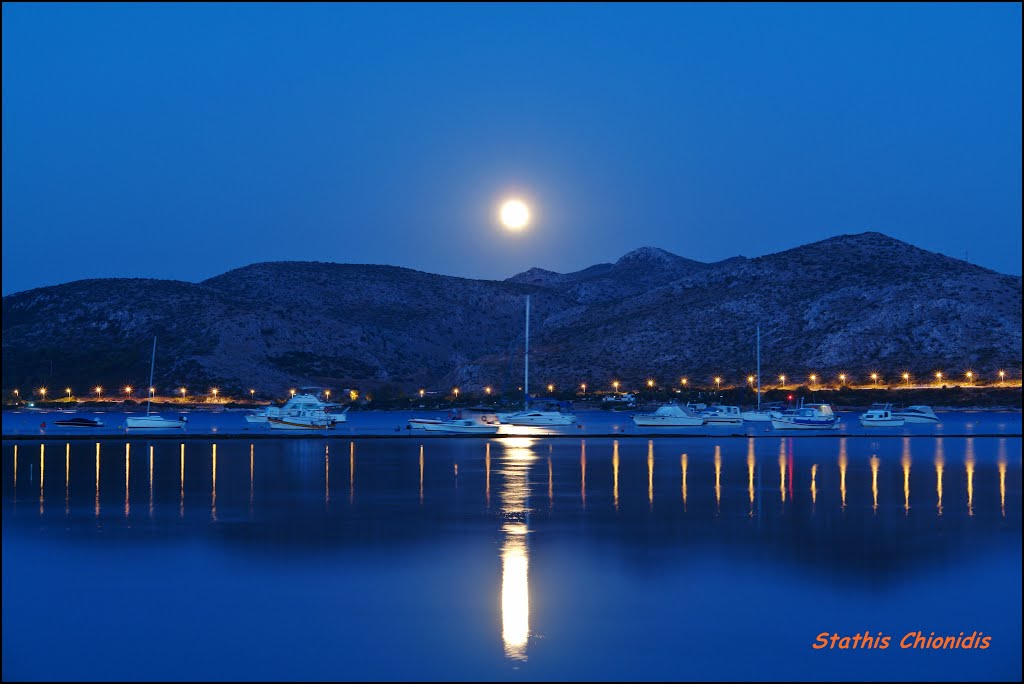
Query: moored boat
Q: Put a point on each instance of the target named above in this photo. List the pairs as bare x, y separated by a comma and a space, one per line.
295, 405
917, 414
807, 417
79, 422
155, 421
881, 415
305, 419
763, 415
669, 415
722, 415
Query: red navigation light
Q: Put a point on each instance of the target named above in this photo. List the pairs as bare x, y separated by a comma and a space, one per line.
791, 397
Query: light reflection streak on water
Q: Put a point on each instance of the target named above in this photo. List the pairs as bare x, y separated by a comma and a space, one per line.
842, 471
421, 474
213, 486
181, 492
615, 473
1002, 475
515, 596
940, 462
814, 484
252, 473
551, 485
97, 479
650, 473
487, 474
751, 462
351, 472
969, 465
683, 463
67, 478
905, 461
42, 474
15, 467
150, 481
718, 479
583, 472
327, 474
874, 483
782, 470
127, 469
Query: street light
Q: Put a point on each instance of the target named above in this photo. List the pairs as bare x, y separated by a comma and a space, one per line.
583, 386
99, 391
1002, 376
252, 393
938, 376
906, 378
684, 382
456, 392
650, 383
68, 390
487, 390
970, 376
215, 391
292, 392
551, 388
782, 379
327, 393
152, 392
422, 392
615, 385
42, 392
874, 378
814, 378
182, 390
718, 382
842, 379
128, 390
750, 380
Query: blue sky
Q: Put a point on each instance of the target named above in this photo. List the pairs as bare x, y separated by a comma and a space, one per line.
180, 141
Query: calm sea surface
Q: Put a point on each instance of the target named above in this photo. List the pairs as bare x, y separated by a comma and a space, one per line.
508, 558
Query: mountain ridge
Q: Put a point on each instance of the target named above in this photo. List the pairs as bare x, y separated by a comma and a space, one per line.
848, 301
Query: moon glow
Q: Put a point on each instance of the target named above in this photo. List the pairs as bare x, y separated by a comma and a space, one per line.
515, 215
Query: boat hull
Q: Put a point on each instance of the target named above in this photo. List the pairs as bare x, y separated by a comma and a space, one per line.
919, 420
758, 417
667, 421
781, 424
724, 421
79, 423
290, 424
154, 422
463, 429
883, 422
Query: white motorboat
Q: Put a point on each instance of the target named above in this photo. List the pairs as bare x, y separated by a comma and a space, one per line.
294, 406
763, 415
881, 415
462, 425
669, 415
153, 421
809, 417
722, 415
917, 414
304, 419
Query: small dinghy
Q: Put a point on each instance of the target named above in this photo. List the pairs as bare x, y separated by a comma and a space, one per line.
79, 423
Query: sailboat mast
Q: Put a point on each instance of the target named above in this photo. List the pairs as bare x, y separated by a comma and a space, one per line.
758, 368
526, 359
152, 362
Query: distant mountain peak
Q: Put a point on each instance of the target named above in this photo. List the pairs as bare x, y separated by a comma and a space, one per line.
650, 255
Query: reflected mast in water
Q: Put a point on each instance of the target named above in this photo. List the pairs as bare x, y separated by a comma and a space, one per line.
940, 462
515, 595
67, 478
751, 461
650, 473
150, 481
421, 474
583, 472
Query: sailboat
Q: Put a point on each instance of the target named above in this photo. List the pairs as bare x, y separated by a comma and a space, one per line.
152, 420
550, 412
774, 410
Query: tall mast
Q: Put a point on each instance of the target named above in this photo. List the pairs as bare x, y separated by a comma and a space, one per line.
526, 361
759, 368
152, 362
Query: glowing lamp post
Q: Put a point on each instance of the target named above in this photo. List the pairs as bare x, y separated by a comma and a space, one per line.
938, 376
551, 388
874, 379
215, 392
487, 390
970, 376
327, 394
583, 386
782, 379
1002, 377
615, 385
842, 379
456, 392
813, 378
128, 391
650, 384
42, 392
68, 390
182, 390
718, 383
152, 392
684, 382
906, 379
422, 392
99, 392
292, 392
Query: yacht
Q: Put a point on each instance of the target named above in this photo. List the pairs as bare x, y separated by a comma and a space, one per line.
419, 423
807, 417
881, 415
550, 413
669, 415
917, 414
468, 422
301, 419
153, 420
764, 415
295, 405
80, 422
722, 415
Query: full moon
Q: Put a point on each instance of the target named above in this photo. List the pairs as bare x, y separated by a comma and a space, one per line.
515, 214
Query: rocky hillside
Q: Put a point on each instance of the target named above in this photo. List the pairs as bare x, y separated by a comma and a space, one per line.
854, 302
